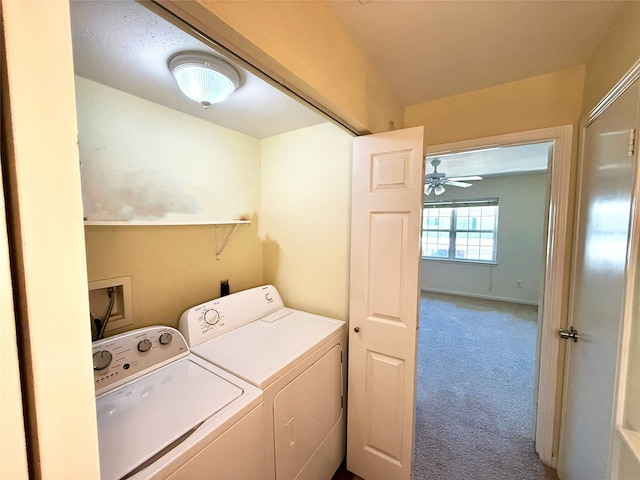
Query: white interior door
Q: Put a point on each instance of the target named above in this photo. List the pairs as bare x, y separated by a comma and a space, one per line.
385, 259
606, 181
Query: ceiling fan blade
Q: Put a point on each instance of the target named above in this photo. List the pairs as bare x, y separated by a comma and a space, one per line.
473, 177
459, 184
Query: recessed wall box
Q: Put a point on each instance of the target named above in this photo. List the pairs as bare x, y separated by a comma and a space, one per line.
122, 311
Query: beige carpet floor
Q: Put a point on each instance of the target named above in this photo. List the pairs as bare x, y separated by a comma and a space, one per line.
474, 391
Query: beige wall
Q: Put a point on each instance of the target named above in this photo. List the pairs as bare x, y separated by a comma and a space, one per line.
616, 53
521, 234
304, 45
305, 219
537, 102
628, 467
559, 98
299, 182
171, 267
144, 161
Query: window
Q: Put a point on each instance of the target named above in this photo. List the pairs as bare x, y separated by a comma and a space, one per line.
460, 230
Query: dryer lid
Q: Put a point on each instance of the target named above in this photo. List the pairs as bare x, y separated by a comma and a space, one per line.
260, 351
143, 418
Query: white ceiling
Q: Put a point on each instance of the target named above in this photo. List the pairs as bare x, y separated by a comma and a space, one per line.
124, 45
433, 49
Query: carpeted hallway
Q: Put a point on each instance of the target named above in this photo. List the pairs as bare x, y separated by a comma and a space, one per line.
476, 361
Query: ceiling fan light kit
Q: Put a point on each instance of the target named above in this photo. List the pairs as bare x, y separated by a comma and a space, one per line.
435, 181
204, 78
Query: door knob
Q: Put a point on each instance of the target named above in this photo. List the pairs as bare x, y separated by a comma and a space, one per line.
569, 334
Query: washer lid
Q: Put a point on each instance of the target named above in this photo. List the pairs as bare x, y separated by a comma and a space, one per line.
259, 351
142, 418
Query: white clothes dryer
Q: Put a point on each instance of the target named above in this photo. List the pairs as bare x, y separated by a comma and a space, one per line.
296, 358
166, 413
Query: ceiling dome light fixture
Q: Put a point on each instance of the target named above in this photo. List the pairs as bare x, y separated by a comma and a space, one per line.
204, 78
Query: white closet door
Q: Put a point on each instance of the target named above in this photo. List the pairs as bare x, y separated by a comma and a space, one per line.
387, 182
606, 187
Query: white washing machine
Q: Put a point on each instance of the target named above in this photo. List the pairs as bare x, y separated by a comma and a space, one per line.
166, 413
296, 358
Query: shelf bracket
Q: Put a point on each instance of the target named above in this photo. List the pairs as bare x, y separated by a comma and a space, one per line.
225, 241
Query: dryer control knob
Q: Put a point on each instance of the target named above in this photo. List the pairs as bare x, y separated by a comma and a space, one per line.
165, 338
144, 345
101, 359
211, 316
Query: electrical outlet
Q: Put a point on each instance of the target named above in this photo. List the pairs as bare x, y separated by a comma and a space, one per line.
224, 287
122, 312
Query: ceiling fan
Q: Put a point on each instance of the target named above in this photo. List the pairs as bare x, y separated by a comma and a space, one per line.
435, 181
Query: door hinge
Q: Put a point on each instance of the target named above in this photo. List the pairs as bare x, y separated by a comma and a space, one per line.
632, 142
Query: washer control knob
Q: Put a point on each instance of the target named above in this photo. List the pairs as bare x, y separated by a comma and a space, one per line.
101, 359
144, 345
211, 316
165, 338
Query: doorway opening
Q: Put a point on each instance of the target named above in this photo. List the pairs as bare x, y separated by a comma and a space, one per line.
476, 363
485, 262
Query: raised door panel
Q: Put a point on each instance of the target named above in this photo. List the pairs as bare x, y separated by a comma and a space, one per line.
385, 406
387, 245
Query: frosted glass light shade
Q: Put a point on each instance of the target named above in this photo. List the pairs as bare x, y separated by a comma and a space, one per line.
439, 190
204, 78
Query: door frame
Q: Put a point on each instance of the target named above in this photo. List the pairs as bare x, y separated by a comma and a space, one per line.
46, 242
550, 353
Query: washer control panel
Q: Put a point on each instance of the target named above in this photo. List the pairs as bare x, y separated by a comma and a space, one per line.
123, 357
217, 317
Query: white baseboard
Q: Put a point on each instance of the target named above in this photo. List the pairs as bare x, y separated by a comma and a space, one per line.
481, 296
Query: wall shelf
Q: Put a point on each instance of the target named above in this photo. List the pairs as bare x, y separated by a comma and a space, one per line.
220, 244
157, 223
225, 241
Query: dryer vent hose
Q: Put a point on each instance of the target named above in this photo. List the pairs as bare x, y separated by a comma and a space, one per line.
99, 326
